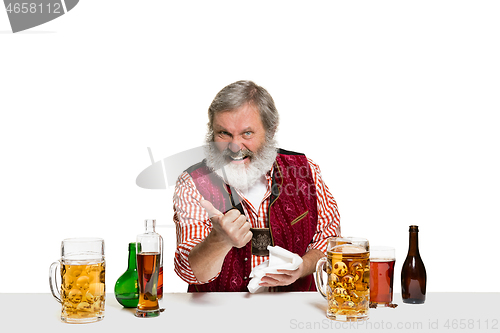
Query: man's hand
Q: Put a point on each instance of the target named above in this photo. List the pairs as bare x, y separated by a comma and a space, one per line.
228, 230
287, 277
284, 278
231, 228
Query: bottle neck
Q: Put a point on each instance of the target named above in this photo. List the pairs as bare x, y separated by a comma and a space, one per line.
150, 226
132, 261
413, 248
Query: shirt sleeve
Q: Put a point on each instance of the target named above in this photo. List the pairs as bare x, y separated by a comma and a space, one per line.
192, 225
328, 215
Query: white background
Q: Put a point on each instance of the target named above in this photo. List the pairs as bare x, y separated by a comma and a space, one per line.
397, 102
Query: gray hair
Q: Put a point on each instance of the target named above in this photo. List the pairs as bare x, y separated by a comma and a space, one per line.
239, 93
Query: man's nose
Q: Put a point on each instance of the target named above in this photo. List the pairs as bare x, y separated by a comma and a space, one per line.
234, 146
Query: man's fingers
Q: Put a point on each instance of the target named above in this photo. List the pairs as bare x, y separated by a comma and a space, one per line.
287, 271
211, 210
241, 221
247, 237
233, 225
233, 215
274, 280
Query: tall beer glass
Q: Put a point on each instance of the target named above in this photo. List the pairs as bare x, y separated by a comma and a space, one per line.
347, 289
382, 259
148, 269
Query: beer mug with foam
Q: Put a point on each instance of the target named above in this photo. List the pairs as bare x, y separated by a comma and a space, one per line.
347, 287
82, 280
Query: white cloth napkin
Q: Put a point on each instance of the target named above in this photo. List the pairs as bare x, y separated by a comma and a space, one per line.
279, 258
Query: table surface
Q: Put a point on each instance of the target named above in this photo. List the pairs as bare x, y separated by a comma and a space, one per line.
274, 312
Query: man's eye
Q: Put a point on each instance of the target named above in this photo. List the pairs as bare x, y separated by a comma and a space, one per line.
248, 133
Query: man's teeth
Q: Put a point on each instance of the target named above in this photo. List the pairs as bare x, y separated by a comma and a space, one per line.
238, 158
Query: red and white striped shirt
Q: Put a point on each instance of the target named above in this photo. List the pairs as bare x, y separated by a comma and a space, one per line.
193, 224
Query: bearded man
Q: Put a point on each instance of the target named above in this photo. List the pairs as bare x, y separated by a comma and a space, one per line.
248, 194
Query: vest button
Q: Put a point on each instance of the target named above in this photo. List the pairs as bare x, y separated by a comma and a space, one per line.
244, 278
246, 259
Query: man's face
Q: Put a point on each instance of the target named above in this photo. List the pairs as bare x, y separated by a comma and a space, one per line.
241, 132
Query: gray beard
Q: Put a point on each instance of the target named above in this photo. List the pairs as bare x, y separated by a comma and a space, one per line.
241, 176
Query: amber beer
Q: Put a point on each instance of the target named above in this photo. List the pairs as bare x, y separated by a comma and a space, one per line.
381, 281
160, 282
382, 260
148, 267
82, 291
348, 291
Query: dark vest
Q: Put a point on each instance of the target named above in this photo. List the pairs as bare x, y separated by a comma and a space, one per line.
292, 218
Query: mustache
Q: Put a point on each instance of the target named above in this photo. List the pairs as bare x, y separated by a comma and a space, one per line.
242, 153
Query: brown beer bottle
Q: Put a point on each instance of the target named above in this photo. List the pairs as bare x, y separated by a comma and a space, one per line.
413, 275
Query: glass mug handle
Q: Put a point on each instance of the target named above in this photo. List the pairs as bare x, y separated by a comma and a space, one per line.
318, 276
53, 281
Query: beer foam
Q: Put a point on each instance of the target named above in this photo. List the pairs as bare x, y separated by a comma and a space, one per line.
348, 248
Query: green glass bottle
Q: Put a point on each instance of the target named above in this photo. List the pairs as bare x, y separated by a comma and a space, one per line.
126, 288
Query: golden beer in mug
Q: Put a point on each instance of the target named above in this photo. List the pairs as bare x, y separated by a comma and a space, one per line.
347, 289
82, 290
82, 272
